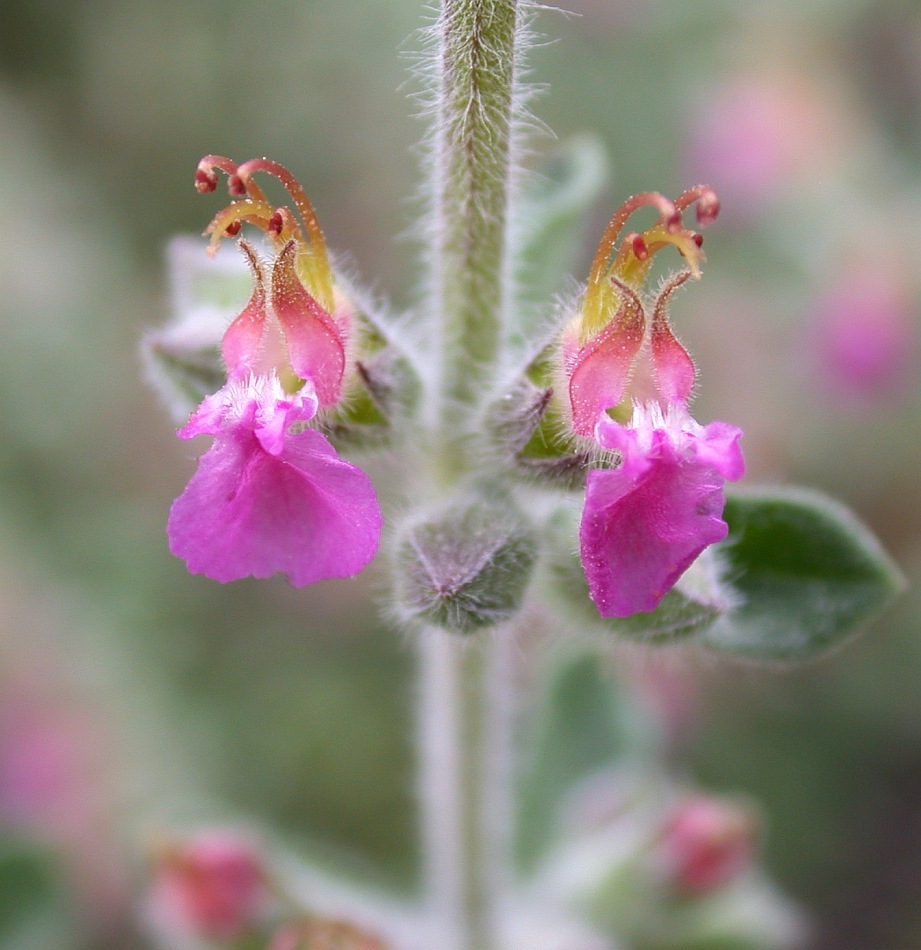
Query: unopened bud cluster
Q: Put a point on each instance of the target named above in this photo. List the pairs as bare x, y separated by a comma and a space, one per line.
464, 569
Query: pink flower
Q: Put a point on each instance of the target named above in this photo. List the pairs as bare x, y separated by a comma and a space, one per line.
629, 381
646, 521
210, 887
271, 494
266, 499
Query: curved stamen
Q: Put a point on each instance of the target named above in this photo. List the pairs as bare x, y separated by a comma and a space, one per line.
205, 181
597, 288
206, 178
283, 226
253, 212
708, 203
313, 264
638, 245
667, 211
298, 195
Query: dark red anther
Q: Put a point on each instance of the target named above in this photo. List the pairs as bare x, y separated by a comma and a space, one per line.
640, 248
697, 238
235, 186
708, 208
276, 224
205, 181
233, 229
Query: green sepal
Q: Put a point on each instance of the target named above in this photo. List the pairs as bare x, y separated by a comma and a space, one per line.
385, 390
807, 574
525, 426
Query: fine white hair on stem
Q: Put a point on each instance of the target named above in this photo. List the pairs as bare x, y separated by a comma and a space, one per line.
472, 163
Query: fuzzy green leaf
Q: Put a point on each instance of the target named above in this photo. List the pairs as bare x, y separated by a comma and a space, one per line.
183, 375
28, 886
580, 727
555, 207
807, 574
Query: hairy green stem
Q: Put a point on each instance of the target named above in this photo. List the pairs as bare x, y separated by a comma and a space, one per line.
461, 775
472, 168
450, 724
466, 719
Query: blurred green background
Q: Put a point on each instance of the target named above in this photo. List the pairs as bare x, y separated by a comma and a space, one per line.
135, 698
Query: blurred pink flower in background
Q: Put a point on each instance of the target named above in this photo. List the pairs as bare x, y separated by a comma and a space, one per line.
864, 336
707, 842
57, 787
753, 134
211, 886
47, 755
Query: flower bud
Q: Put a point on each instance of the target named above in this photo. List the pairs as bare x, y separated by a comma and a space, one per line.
515, 417
209, 887
466, 569
388, 391
707, 842
525, 416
